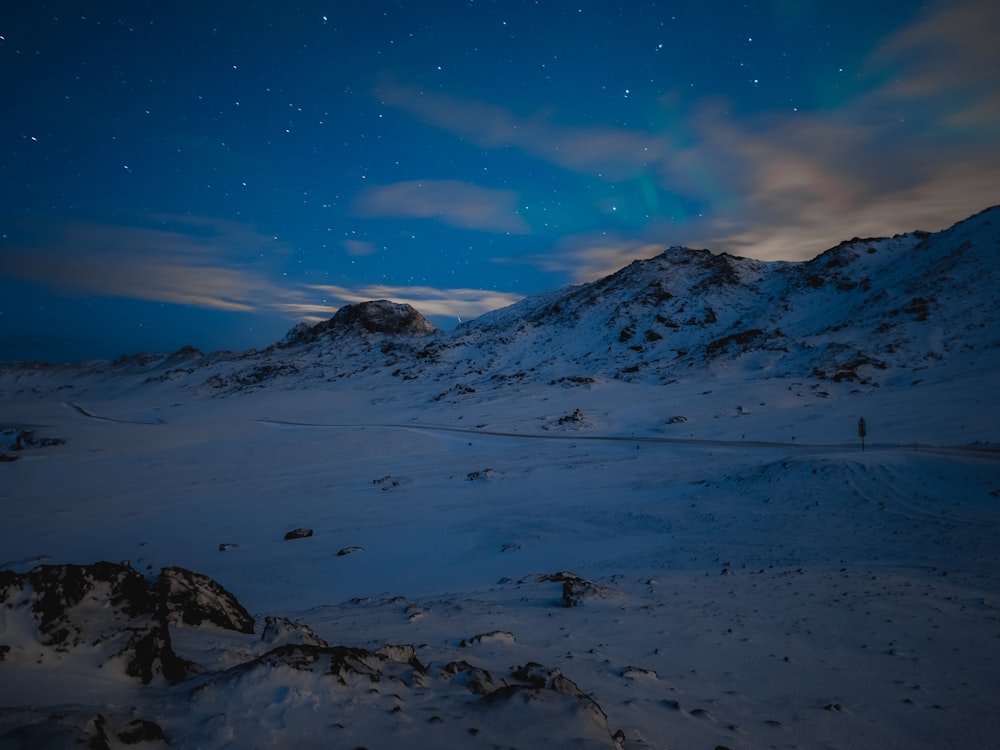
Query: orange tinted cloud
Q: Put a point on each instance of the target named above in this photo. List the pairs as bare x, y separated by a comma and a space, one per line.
918, 150
916, 147
950, 57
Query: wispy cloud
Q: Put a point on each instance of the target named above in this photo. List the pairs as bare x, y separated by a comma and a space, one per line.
949, 57
453, 202
209, 264
583, 258
613, 153
192, 261
915, 148
450, 303
358, 248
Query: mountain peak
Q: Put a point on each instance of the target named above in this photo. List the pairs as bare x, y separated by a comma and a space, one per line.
376, 316
382, 316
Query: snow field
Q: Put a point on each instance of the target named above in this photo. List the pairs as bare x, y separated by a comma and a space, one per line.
796, 594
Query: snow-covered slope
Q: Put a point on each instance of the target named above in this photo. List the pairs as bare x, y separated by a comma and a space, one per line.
863, 311
635, 512
869, 311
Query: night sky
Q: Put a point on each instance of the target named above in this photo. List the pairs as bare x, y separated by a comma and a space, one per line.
210, 173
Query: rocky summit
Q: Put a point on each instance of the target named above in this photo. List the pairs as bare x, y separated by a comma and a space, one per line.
377, 316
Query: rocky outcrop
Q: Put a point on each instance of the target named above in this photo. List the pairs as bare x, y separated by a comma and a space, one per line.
194, 599
280, 631
107, 616
19, 438
82, 729
576, 590
539, 686
377, 316
112, 608
501, 707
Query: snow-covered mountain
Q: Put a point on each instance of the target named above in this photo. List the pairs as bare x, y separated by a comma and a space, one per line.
868, 311
861, 312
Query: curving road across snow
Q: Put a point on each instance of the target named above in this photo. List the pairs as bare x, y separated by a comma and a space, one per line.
970, 451
90, 415
945, 450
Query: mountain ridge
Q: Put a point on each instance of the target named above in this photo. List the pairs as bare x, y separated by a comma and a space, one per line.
864, 311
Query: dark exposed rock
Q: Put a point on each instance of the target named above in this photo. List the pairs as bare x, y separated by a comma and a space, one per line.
401, 654
723, 269
540, 684
476, 679
348, 665
58, 589
377, 316
141, 730
572, 380
150, 652
58, 731
382, 316
23, 438
298, 534
342, 662
575, 589
496, 636
281, 630
476, 476
742, 341
538, 676
194, 599
112, 607
575, 418
457, 389
79, 729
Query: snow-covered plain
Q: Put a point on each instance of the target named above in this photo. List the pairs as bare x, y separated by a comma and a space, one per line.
571, 567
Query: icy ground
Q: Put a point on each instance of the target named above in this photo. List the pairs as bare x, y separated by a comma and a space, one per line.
744, 578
